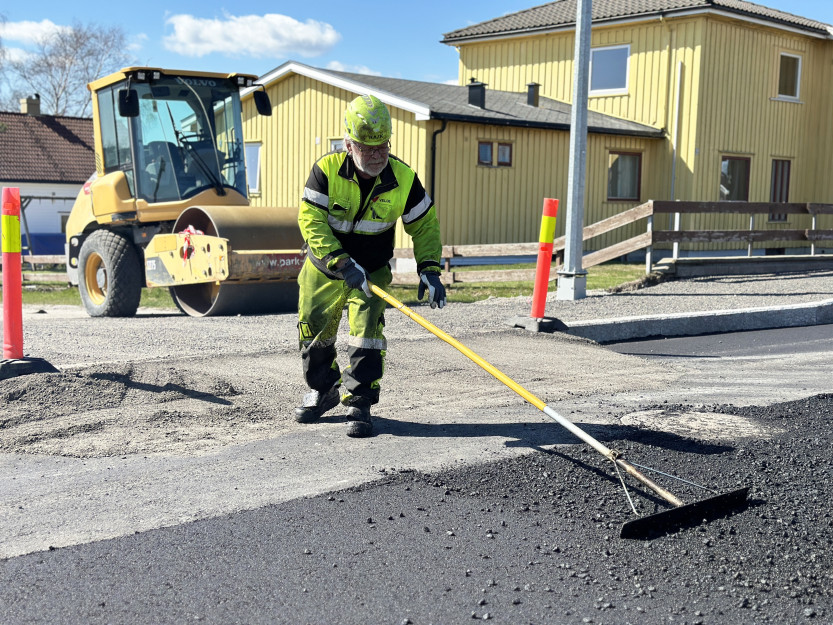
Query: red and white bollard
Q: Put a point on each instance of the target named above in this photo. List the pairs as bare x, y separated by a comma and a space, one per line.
12, 275
537, 322
13, 363
542, 270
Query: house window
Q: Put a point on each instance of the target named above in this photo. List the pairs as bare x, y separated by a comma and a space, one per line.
734, 178
780, 186
486, 151
337, 145
504, 154
609, 70
789, 76
623, 176
253, 167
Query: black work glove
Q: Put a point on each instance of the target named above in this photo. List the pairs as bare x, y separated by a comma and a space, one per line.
355, 277
436, 290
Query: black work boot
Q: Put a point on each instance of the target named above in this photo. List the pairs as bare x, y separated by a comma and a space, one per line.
358, 417
316, 404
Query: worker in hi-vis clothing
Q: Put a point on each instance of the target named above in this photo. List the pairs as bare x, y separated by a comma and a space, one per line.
352, 201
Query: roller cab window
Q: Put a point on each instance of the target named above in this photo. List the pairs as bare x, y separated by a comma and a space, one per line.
187, 138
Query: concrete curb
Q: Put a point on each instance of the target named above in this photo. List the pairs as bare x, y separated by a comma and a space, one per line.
687, 324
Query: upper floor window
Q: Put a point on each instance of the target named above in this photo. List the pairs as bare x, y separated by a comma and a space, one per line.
734, 178
623, 176
609, 70
789, 76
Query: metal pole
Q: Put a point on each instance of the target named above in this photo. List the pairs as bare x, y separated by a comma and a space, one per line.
572, 279
676, 247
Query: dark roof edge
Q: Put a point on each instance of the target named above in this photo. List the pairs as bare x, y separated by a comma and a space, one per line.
774, 22
471, 119
65, 181
46, 116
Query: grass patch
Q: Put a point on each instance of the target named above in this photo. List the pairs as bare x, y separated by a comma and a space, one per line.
606, 276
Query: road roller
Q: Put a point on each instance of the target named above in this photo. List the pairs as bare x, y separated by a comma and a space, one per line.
168, 204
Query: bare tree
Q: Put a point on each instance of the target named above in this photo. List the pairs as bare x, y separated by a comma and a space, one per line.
7, 98
65, 61
2, 61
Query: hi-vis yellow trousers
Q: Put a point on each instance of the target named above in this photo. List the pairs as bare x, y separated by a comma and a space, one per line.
321, 303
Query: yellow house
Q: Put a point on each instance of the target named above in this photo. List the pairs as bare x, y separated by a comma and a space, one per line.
689, 99
742, 93
488, 158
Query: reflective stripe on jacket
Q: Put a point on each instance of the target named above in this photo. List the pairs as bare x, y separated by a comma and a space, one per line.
335, 224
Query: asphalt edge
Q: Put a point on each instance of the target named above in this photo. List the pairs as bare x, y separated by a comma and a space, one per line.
685, 324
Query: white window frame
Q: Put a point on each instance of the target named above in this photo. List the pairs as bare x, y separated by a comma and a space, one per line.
785, 96
252, 149
617, 90
337, 144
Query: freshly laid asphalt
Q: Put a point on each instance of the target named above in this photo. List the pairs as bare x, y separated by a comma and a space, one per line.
531, 538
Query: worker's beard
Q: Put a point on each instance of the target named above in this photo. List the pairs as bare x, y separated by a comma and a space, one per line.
370, 166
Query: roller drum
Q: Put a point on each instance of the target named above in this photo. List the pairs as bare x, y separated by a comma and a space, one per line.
246, 228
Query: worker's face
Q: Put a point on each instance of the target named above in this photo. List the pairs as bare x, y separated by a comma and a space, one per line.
370, 160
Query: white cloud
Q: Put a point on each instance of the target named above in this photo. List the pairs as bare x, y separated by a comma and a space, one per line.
338, 66
16, 55
258, 36
137, 42
28, 32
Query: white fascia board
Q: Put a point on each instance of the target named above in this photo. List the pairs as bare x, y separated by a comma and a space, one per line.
421, 111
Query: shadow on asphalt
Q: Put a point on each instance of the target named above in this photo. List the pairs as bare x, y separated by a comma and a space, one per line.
184, 391
535, 434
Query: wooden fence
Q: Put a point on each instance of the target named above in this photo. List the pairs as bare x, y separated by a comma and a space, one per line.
647, 239
644, 241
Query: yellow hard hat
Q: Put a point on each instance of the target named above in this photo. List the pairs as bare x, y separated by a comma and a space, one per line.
367, 121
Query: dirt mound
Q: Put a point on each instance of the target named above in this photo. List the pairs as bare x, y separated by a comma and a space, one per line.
123, 409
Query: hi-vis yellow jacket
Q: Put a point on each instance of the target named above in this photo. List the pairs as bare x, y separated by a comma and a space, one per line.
335, 224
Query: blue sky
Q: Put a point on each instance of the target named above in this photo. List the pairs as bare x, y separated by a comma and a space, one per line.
393, 39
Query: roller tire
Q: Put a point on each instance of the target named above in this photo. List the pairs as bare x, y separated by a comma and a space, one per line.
109, 275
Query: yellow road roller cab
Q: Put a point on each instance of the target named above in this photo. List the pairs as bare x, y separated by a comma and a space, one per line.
168, 204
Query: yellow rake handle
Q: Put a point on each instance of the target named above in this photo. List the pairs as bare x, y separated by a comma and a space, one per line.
520, 390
